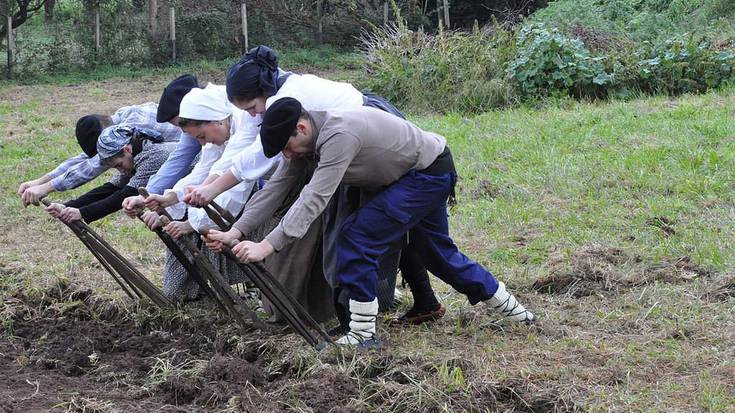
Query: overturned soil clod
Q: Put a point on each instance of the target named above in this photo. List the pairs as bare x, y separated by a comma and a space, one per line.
601, 271
589, 271
725, 291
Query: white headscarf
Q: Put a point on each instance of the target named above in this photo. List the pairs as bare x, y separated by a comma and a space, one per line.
209, 103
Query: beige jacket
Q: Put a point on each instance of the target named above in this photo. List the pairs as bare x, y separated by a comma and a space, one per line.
363, 147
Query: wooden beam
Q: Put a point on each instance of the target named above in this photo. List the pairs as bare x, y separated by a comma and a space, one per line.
172, 27
244, 17
10, 46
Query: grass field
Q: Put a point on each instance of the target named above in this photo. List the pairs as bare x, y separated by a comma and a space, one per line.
614, 222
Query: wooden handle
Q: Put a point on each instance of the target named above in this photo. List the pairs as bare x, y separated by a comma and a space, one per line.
47, 203
225, 213
144, 192
163, 213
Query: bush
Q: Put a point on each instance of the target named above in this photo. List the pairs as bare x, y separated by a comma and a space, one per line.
683, 65
451, 71
640, 20
548, 62
205, 35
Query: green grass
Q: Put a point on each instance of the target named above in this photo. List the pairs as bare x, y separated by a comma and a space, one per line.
597, 174
543, 191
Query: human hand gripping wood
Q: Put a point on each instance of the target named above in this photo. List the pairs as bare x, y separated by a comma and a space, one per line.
248, 251
162, 210
54, 209
34, 194
70, 215
177, 229
132, 205
245, 251
216, 240
151, 220
199, 195
27, 184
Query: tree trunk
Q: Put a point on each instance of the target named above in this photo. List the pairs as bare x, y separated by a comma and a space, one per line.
152, 17
20, 11
319, 28
48, 8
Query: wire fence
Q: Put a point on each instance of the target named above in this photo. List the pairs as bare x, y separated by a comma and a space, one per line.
127, 36
143, 33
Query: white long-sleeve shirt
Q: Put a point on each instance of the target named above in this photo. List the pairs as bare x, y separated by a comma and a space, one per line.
314, 93
216, 159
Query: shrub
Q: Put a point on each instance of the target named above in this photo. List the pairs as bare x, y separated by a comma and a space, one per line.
683, 64
640, 20
547, 61
451, 71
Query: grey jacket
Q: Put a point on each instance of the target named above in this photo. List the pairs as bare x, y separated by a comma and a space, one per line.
362, 147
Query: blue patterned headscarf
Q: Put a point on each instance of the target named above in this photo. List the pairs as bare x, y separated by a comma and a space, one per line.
257, 70
113, 139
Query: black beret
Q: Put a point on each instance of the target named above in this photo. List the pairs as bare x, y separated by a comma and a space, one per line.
168, 105
279, 122
87, 131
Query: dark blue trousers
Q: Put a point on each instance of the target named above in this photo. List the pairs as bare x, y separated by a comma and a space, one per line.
415, 204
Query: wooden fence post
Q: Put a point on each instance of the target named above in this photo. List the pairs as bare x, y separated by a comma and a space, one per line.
152, 17
446, 13
97, 31
244, 17
438, 13
319, 29
386, 10
172, 24
10, 46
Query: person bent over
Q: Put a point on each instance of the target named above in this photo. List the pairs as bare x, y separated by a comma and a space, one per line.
136, 153
86, 166
368, 148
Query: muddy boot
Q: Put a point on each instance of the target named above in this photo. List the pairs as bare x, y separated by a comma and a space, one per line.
416, 315
362, 327
506, 304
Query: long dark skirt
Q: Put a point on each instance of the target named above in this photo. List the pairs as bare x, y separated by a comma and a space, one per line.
298, 266
178, 285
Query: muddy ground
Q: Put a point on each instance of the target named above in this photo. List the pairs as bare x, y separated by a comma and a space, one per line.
72, 351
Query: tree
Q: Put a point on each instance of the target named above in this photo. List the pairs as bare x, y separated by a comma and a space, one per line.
48, 7
20, 10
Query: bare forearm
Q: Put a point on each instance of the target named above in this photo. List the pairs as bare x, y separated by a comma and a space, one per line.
210, 179
169, 198
224, 182
42, 180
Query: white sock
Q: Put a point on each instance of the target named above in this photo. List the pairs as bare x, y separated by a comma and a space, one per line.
362, 325
506, 304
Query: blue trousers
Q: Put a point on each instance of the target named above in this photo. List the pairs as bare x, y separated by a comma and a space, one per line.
415, 204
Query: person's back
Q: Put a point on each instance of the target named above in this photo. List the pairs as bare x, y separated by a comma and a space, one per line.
144, 116
137, 154
379, 147
318, 93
